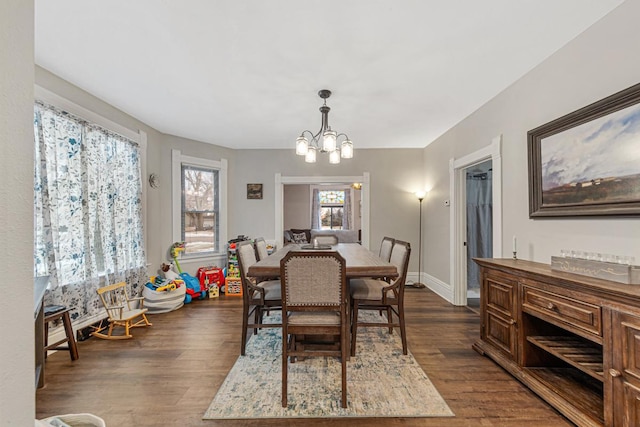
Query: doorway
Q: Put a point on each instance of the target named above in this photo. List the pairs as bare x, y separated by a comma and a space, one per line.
479, 224
281, 181
460, 242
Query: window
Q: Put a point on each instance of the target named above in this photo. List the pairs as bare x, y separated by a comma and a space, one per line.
199, 209
88, 200
199, 204
331, 209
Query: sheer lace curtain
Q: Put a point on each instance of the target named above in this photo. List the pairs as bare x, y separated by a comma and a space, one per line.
88, 211
315, 209
346, 215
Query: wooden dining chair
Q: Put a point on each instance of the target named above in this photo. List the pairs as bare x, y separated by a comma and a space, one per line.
325, 239
258, 297
385, 248
381, 296
261, 248
385, 251
314, 305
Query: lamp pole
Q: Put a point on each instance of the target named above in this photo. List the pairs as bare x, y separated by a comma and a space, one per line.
419, 284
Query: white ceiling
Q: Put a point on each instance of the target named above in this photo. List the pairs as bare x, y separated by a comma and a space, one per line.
245, 73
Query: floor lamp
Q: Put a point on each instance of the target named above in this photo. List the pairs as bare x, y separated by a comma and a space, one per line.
420, 195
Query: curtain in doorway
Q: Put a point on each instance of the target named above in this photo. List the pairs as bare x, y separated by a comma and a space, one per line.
479, 224
315, 209
346, 208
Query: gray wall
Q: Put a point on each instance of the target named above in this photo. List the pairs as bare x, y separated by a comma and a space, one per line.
596, 64
297, 209
17, 406
395, 175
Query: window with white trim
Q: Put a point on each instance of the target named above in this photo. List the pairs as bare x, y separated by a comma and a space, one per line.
199, 204
331, 209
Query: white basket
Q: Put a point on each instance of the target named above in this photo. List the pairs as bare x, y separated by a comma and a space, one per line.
77, 420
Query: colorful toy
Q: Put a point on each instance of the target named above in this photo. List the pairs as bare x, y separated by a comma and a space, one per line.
175, 250
210, 276
170, 287
169, 274
194, 290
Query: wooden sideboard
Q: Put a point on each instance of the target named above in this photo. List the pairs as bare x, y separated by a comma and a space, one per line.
573, 340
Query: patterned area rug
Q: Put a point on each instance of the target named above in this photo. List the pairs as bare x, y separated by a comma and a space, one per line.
381, 382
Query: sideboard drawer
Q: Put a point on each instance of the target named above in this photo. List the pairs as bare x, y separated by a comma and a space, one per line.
582, 315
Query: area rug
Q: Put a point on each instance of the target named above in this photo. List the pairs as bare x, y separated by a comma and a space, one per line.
381, 382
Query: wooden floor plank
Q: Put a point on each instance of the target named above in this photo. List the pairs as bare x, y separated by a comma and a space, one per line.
168, 373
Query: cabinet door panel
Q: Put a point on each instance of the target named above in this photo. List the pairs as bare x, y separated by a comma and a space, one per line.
499, 327
501, 294
631, 406
626, 369
501, 333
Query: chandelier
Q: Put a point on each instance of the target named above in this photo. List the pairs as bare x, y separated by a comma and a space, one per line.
326, 140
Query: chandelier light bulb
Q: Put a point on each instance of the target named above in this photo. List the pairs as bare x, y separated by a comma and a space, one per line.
302, 145
347, 149
310, 157
329, 141
334, 157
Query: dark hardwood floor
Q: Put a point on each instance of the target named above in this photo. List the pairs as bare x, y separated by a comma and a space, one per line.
168, 373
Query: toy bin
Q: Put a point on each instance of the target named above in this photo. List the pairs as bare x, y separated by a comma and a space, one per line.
233, 287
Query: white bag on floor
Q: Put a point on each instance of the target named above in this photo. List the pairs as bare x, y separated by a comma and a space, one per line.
73, 420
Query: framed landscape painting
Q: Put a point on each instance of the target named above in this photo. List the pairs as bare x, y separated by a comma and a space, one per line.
587, 163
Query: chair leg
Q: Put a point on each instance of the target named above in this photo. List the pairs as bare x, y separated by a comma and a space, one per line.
46, 337
257, 317
146, 321
285, 367
390, 319
403, 333
354, 326
343, 359
245, 325
71, 341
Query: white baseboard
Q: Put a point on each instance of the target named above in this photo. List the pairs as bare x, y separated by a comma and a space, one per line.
436, 285
439, 287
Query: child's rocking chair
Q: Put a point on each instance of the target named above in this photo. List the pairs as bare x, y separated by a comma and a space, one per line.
121, 311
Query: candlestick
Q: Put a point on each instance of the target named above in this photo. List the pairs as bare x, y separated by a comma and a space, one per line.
514, 244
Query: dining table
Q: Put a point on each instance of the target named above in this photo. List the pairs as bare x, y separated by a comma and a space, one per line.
359, 261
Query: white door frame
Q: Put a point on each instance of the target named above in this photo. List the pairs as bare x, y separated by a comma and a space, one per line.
457, 213
365, 199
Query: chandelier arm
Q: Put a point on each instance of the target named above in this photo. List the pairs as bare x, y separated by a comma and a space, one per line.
314, 138
342, 134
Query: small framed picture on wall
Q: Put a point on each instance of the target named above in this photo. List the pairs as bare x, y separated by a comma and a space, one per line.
254, 191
